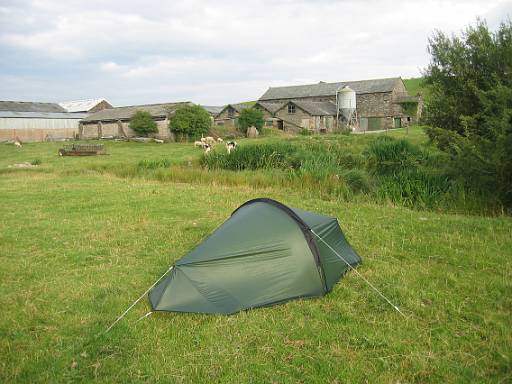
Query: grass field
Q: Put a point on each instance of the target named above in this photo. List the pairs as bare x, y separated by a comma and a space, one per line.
79, 243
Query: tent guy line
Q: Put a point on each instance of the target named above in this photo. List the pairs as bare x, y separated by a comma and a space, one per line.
359, 274
139, 299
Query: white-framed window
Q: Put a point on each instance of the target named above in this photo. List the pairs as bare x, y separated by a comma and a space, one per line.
291, 108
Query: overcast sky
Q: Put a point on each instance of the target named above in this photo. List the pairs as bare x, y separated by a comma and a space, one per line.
215, 52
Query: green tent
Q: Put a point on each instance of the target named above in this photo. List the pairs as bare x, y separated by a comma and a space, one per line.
265, 253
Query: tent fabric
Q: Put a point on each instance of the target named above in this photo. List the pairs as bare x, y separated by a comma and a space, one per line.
264, 254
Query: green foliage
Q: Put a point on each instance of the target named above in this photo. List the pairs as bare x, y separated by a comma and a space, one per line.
250, 117
36, 162
190, 122
306, 132
409, 107
470, 110
142, 123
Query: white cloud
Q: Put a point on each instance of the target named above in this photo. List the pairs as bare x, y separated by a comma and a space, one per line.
216, 52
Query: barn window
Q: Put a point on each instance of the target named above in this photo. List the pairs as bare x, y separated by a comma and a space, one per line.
231, 112
291, 108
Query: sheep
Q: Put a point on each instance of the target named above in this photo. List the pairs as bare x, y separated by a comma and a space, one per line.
207, 149
209, 140
199, 144
203, 140
17, 143
219, 140
231, 146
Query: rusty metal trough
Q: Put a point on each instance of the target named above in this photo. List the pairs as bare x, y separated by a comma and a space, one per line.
82, 150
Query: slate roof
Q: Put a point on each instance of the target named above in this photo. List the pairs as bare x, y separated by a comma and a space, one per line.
213, 109
317, 108
237, 107
329, 89
81, 105
271, 107
125, 113
28, 106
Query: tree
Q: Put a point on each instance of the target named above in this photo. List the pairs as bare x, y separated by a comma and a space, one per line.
142, 123
470, 108
250, 117
190, 121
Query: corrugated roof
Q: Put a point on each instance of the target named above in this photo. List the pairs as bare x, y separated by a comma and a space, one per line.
329, 89
42, 115
81, 105
271, 107
29, 106
125, 113
317, 108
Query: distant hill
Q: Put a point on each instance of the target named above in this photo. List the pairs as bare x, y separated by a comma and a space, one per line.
415, 86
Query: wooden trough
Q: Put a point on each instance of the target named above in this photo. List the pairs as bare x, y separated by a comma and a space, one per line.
82, 150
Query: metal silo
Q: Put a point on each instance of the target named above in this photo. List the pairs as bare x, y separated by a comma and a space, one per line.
346, 98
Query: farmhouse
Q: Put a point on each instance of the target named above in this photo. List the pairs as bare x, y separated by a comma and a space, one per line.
229, 114
380, 103
32, 121
85, 106
113, 122
294, 116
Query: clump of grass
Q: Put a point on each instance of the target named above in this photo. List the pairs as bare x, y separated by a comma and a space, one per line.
154, 164
386, 155
251, 157
36, 162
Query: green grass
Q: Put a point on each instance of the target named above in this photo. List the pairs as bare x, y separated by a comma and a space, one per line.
79, 243
415, 86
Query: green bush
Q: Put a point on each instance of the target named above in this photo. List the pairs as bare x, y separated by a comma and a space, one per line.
191, 122
142, 123
250, 117
469, 109
36, 162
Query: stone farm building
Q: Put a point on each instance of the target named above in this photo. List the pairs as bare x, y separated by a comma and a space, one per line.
114, 122
229, 114
380, 104
32, 121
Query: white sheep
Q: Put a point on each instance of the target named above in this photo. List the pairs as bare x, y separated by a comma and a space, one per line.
219, 140
209, 140
198, 144
17, 143
203, 140
207, 149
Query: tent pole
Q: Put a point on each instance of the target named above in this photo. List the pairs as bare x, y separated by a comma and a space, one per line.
359, 274
139, 299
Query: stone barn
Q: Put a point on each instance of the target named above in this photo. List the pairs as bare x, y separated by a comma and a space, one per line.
381, 103
113, 122
229, 114
315, 116
269, 114
33, 121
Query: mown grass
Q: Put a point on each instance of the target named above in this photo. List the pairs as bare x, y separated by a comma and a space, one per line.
79, 243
